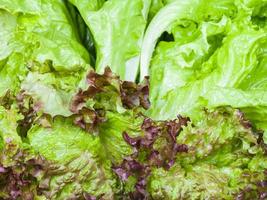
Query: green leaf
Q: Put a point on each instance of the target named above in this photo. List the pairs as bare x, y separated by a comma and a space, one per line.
217, 59
54, 91
117, 28
111, 138
80, 157
223, 159
161, 22
10, 141
42, 40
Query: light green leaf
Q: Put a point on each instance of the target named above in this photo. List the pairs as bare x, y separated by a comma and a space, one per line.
79, 155
10, 141
117, 28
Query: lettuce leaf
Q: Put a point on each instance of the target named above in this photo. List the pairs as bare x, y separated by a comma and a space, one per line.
110, 134
10, 141
42, 40
216, 59
68, 132
81, 165
117, 28
223, 159
161, 22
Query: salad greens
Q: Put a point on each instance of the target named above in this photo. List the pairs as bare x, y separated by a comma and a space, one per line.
216, 58
116, 47
143, 99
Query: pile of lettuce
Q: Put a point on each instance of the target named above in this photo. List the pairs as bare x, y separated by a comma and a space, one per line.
133, 99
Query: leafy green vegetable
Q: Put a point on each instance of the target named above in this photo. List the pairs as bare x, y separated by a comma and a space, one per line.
223, 158
161, 22
216, 59
196, 128
10, 140
78, 154
38, 38
110, 134
117, 27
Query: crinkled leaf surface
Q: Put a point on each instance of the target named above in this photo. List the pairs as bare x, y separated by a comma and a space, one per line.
39, 38
83, 167
217, 58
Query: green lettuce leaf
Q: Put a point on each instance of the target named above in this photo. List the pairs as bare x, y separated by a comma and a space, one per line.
223, 159
41, 39
155, 6
117, 28
216, 59
161, 22
10, 141
54, 91
82, 166
110, 134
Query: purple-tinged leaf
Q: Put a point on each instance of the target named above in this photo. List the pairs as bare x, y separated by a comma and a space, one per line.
246, 123
88, 196
122, 173
134, 142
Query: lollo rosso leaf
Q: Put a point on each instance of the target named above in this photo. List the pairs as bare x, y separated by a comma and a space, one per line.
159, 145
25, 106
106, 92
258, 189
154, 132
133, 95
20, 181
28, 108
